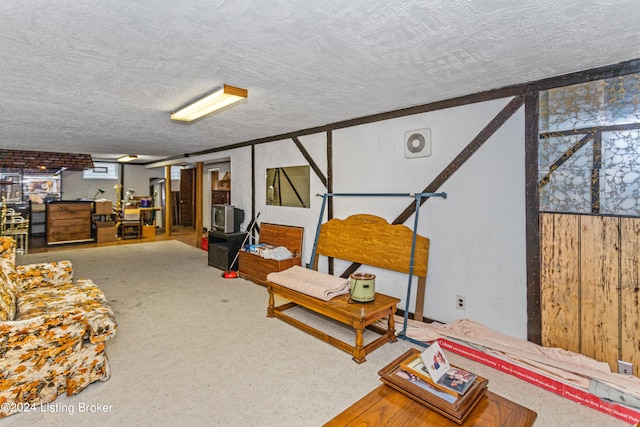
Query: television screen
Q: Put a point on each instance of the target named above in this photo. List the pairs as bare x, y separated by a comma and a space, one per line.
226, 218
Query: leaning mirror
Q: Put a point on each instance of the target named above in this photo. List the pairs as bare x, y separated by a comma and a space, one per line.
288, 186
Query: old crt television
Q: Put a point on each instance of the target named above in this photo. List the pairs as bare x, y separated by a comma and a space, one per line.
226, 218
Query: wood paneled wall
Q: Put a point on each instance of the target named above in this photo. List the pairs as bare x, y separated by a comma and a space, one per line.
590, 283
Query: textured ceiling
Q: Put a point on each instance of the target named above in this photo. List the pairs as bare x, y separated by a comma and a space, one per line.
102, 76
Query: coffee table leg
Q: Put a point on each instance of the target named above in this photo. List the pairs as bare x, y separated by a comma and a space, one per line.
358, 350
271, 304
391, 329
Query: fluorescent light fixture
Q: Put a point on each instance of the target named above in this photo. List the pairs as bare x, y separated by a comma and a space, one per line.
211, 102
127, 158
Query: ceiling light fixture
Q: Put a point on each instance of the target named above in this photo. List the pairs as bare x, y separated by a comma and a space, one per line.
127, 158
211, 102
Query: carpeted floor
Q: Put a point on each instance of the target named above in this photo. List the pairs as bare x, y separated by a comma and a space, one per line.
195, 349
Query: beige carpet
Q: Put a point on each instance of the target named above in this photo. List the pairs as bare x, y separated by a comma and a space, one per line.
195, 349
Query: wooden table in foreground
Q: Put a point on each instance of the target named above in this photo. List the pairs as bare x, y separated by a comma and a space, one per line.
385, 406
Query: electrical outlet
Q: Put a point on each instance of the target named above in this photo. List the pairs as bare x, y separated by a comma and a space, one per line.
461, 302
625, 368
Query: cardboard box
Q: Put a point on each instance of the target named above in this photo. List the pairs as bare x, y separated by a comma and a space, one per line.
148, 230
105, 231
103, 208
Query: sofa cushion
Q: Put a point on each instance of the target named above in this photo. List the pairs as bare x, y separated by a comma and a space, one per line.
8, 249
84, 294
7, 290
100, 320
52, 295
7, 298
7, 278
50, 273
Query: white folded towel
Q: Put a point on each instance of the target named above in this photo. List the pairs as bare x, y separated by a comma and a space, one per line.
310, 282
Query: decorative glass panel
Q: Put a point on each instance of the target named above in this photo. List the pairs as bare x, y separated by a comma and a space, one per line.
589, 152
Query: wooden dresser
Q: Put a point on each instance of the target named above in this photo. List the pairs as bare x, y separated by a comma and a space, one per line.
68, 222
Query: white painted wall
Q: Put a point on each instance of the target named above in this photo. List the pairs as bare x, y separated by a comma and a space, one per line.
478, 237
135, 176
477, 233
75, 187
283, 154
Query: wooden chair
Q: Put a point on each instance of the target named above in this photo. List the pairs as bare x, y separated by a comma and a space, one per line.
6, 215
18, 228
131, 224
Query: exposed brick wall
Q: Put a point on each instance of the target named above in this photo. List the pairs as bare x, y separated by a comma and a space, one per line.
35, 160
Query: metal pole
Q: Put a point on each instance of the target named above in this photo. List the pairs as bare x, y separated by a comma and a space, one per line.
411, 264
443, 195
312, 262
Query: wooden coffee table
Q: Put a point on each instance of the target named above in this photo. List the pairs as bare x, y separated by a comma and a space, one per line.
385, 406
356, 315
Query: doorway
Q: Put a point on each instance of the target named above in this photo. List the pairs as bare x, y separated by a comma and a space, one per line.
157, 190
220, 187
187, 210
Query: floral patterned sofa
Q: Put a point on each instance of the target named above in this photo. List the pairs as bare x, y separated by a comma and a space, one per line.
52, 332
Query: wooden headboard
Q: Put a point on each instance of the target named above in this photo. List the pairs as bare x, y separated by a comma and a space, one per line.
371, 240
